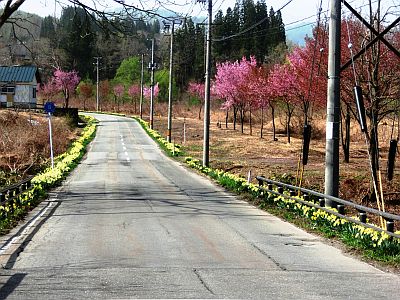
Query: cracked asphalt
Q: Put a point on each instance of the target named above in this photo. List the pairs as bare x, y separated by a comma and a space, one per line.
131, 223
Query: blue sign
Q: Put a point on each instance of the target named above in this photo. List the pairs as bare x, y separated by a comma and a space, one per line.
49, 107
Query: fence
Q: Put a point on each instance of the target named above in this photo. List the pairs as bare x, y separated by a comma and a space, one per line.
11, 194
317, 200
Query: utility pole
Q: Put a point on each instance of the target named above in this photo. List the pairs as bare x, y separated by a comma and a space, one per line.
152, 67
171, 60
97, 58
333, 105
171, 55
206, 139
141, 89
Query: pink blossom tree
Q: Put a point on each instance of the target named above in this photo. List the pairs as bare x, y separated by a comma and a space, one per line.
230, 84
47, 91
65, 82
118, 91
134, 93
259, 92
197, 90
147, 91
310, 73
283, 85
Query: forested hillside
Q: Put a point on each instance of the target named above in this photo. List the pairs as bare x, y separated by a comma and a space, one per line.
72, 41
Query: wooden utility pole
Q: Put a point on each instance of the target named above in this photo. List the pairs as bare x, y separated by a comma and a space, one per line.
97, 83
141, 89
206, 138
152, 67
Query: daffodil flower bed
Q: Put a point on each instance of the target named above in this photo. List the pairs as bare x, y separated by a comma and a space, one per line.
172, 149
49, 178
377, 244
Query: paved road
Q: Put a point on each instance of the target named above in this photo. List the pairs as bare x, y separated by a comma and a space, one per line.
131, 223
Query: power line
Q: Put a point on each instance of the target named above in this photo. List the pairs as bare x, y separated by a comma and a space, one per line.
251, 27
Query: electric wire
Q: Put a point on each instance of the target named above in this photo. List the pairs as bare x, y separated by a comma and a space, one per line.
251, 27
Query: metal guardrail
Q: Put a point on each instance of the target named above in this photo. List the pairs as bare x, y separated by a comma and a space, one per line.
317, 200
11, 194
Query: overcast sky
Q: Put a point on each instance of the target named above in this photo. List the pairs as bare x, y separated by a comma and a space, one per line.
294, 11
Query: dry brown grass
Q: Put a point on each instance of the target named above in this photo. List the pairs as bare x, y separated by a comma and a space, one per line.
240, 153
24, 143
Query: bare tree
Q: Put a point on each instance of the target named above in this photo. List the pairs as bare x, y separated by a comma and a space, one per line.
96, 10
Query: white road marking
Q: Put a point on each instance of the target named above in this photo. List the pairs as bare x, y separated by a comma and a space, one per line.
25, 231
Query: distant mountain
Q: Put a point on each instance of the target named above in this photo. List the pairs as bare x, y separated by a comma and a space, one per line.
299, 32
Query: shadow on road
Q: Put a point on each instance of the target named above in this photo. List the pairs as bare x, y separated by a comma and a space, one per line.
13, 257
11, 284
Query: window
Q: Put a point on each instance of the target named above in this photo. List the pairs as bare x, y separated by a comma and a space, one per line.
7, 90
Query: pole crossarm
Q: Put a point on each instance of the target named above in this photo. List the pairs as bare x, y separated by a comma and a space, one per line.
378, 36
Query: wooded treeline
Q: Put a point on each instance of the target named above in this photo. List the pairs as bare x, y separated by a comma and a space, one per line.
71, 41
234, 35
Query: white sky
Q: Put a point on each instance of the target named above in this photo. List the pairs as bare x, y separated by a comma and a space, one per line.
296, 10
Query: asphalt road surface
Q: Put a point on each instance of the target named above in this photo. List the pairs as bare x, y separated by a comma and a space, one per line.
131, 223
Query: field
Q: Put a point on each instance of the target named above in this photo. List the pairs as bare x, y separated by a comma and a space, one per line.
239, 153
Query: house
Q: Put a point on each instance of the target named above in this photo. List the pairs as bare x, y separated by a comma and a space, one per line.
18, 86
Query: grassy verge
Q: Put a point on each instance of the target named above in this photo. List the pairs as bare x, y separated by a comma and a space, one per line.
171, 149
14, 211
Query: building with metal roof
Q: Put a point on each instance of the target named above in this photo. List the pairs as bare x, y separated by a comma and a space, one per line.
18, 86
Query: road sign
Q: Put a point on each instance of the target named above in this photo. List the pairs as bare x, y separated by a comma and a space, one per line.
49, 107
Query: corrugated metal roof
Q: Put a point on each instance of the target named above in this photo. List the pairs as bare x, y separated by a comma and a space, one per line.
17, 73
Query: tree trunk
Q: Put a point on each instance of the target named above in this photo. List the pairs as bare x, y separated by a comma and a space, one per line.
66, 93
289, 113
234, 117
250, 123
374, 152
226, 119
241, 119
273, 123
262, 122
201, 106
346, 139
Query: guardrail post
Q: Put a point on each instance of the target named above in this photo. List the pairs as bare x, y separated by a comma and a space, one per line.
306, 197
11, 205
10, 193
362, 215
389, 225
260, 182
340, 209
280, 190
321, 202
293, 193
270, 186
